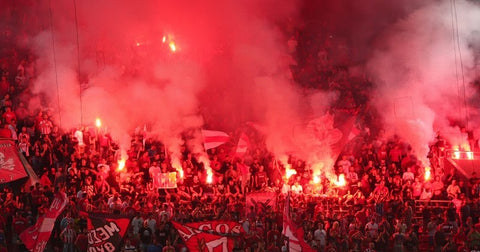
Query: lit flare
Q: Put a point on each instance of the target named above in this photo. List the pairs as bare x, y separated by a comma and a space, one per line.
209, 178
98, 123
172, 46
428, 173
121, 164
341, 181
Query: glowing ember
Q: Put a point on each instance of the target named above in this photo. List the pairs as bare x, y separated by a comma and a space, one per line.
98, 123
172, 46
121, 164
341, 180
428, 173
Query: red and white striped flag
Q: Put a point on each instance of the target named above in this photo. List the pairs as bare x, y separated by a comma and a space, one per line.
35, 237
242, 145
213, 139
294, 234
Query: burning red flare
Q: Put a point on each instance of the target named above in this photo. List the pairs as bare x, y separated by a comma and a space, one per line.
341, 180
172, 46
289, 172
98, 123
121, 164
209, 178
428, 173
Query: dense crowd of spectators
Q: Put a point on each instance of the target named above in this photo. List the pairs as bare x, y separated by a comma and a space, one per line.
373, 211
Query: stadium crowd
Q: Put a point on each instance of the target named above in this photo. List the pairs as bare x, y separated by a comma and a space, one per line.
375, 210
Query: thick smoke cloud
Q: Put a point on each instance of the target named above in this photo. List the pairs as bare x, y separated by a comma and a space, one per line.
417, 68
230, 66
409, 52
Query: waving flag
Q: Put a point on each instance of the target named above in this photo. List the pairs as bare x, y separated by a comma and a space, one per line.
294, 234
213, 139
242, 145
36, 237
105, 232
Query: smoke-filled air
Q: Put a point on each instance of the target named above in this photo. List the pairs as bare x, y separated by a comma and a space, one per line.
177, 66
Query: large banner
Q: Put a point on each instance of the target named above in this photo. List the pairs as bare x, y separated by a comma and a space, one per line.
210, 236
11, 168
105, 232
165, 180
36, 237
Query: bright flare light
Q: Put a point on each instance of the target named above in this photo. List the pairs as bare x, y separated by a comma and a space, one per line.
209, 178
469, 154
121, 164
289, 172
341, 180
428, 173
316, 179
98, 123
172, 46
178, 167
164, 39
456, 152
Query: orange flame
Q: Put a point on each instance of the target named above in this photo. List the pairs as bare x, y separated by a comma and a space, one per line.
341, 180
428, 173
172, 46
98, 123
289, 172
178, 167
209, 178
121, 164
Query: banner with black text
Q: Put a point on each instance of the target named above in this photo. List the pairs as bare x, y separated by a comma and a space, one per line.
105, 232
